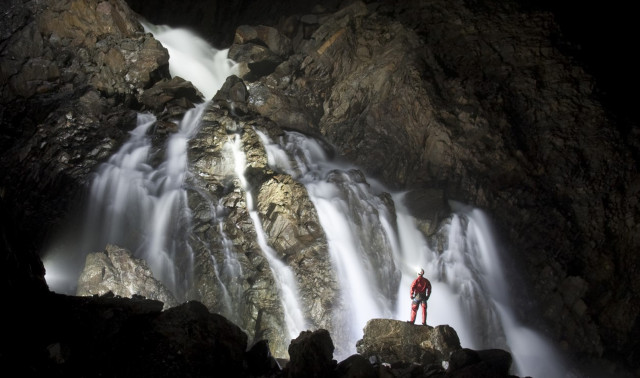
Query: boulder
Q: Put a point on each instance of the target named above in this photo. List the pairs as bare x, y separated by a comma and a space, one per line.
167, 95
311, 356
115, 270
399, 341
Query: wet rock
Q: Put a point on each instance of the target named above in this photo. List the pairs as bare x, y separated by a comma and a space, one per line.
71, 73
293, 229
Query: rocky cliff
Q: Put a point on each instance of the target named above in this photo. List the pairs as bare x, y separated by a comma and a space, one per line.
472, 101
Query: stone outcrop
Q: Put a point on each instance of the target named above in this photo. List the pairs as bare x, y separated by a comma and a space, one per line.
397, 341
115, 270
311, 355
404, 346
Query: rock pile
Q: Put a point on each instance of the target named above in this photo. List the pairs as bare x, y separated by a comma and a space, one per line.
110, 336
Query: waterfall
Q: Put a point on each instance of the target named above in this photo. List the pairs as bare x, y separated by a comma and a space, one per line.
283, 275
192, 58
136, 205
144, 209
533, 354
360, 237
141, 205
470, 291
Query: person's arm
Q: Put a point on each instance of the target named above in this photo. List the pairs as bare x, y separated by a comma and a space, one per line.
428, 289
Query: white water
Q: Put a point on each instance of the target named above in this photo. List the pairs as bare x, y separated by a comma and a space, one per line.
361, 242
282, 274
138, 206
143, 207
193, 59
470, 292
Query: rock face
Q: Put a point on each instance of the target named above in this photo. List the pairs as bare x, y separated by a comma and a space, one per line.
288, 219
469, 101
115, 270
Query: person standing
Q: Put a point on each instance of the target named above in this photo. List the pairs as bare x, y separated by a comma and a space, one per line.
420, 293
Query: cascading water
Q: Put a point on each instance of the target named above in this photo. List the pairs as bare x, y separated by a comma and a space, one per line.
533, 354
471, 292
144, 209
284, 277
373, 251
360, 237
192, 58
139, 207
469, 289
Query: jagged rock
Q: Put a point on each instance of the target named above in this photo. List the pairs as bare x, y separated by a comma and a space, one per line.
115, 270
259, 49
394, 341
233, 96
311, 355
250, 299
288, 219
294, 231
165, 95
265, 35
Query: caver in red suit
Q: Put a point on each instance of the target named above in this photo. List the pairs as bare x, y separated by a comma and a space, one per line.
420, 293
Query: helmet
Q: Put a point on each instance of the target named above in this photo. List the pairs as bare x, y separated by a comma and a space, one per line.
420, 271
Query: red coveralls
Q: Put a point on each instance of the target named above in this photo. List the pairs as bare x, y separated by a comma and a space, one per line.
421, 289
